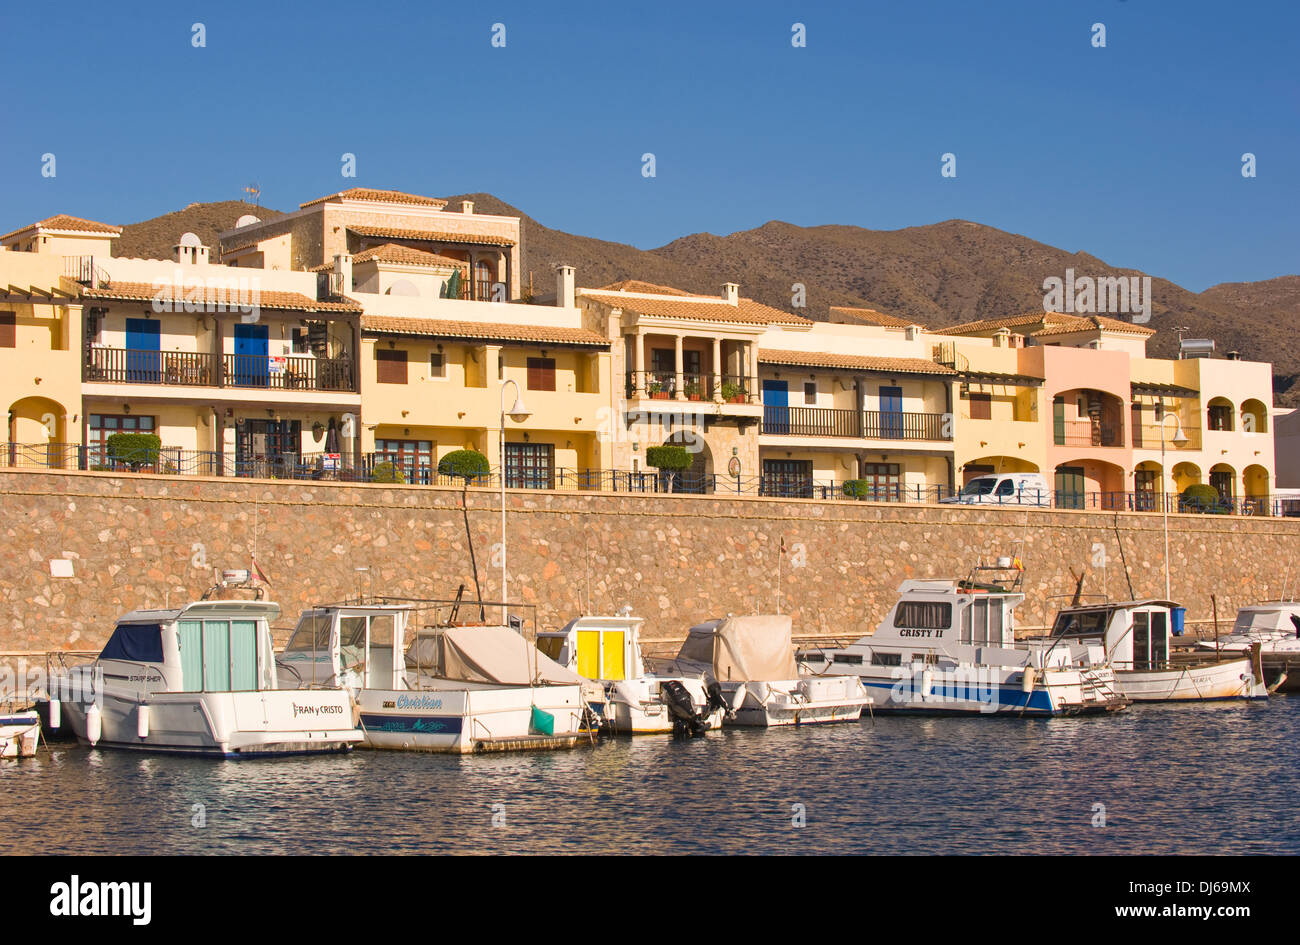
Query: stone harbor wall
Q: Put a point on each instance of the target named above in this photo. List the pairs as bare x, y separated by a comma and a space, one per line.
81, 548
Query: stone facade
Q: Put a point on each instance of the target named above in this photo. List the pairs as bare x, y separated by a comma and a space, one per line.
145, 541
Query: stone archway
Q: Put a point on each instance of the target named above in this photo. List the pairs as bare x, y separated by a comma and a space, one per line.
697, 479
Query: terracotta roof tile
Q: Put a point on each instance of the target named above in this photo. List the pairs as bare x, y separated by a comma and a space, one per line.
288, 301
870, 316
484, 331
636, 285
432, 236
385, 196
63, 223
698, 307
406, 255
1055, 323
850, 362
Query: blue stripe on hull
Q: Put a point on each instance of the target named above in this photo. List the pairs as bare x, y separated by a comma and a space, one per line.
417, 724
1010, 699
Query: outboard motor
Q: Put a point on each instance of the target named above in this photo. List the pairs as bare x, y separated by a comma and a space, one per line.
686, 721
716, 699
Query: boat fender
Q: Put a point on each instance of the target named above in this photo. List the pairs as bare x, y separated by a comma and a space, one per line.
56, 714
94, 724
142, 721
927, 683
738, 697
1027, 680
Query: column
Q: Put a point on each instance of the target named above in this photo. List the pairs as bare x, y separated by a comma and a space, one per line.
717, 370
639, 385
679, 386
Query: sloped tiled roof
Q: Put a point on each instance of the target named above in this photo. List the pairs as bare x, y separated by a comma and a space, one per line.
698, 307
852, 362
636, 285
62, 223
870, 316
288, 301
481, 331
1057, 323
432, 236
386, 196
406, 255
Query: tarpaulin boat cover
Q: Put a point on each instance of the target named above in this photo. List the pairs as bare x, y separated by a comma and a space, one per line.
758, 647
488, 655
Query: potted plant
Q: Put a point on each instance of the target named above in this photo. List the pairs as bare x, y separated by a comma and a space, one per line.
670, 461
733, 393
694, 391
656, 389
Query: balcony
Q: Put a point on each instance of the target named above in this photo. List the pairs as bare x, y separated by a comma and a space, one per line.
1147, 436
868, 425
664, 385
1086, 433
194, 369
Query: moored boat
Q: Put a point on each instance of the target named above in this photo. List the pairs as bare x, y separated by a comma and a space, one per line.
1275, 626
948, 646
1135, 638
633, 701
20, 732
439, 688
198, 679
752, 660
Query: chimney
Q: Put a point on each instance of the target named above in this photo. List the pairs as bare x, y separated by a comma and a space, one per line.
564, 290
341, 277
190, 251
912, 332
1002, 338
731, 293
467, 206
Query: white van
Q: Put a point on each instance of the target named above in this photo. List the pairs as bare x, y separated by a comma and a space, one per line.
1005, 489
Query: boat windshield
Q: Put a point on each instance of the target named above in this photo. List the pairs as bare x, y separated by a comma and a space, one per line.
1081, 623
312, 633
981, 486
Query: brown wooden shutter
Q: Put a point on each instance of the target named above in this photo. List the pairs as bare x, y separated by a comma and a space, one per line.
981, 407
390, 366
541, 374
7, 335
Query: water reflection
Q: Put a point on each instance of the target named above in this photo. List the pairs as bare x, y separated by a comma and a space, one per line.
1180, 779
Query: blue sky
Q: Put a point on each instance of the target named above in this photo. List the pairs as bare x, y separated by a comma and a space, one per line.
1131, 152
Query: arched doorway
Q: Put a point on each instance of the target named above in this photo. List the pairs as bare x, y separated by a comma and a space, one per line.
1223, 479
1186, 474
1090, 484
1219, 414
698, 478
1256, 483
484, 279
1254, 416
991, 465
37, 433
1148, 484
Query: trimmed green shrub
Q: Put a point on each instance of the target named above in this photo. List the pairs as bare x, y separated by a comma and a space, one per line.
1202, 498
857, 488
387, 472
464, 464
135, 450
670, 458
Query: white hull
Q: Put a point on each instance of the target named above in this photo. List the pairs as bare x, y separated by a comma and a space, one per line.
227, 724
992, 690
465, 720
1229, 679
808, 700
636, 707
20, 734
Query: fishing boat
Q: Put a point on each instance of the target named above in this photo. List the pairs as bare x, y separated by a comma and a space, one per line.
1135, 639
1275, 626
441, 687
632, 700
199, 679
752, 660
20, 732
948, 646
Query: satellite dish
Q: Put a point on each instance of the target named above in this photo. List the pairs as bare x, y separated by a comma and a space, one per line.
246, 220
403, 287
190, 239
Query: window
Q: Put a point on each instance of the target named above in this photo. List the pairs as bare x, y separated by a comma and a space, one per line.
787, 478
1142, 640
541, 374
95, 326
8, 336
851, 659
218, 655
298, 343
103, 425
530, 466
390, 366
886, 659
1220, 417
312, 634
810, 393
923, 615
437, 365
413, 457
884, 481
981, 406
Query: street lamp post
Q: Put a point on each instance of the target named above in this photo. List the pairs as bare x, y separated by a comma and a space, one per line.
519, 413
1179, 439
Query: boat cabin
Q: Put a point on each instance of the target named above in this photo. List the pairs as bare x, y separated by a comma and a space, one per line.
1272, 618
1136, 634
348, 645
931, 612
207, 646
606, 648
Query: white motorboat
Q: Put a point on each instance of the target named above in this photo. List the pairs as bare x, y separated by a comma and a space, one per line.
752, 660
949, 647
199, 679
633, 701
440, 688
20, 732
1275, 626
1135, 639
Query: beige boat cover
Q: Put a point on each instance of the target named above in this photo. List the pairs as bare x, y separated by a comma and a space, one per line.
488, 655
758, 647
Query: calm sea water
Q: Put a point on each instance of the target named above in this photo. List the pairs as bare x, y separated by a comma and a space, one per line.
1219, 778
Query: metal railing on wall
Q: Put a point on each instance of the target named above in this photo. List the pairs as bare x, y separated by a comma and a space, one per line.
396, 469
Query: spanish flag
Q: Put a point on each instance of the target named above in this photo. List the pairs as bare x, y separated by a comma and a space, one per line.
261, 575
